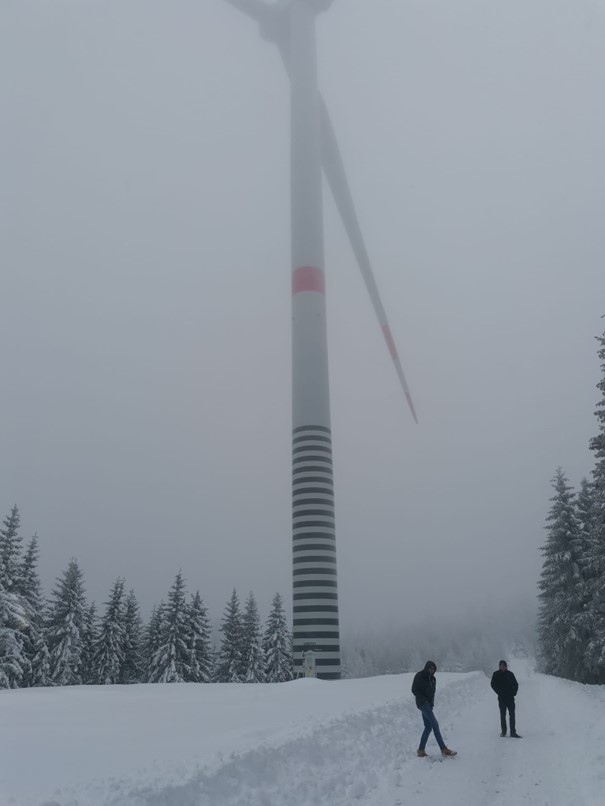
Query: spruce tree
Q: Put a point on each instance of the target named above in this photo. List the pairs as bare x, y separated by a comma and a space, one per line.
109, 650
199, 642
253, 655
585, 512
65, 627
277, 644
27, 581
14, 665
40, 674
597, 446
560, 644
29, 588
151, 642
10, 551
170, 663
89, 647
584, 621
132, 663
229, 662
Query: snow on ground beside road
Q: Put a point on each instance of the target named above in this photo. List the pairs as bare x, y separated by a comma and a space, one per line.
304, 743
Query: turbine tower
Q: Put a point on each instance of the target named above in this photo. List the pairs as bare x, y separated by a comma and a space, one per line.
290, 25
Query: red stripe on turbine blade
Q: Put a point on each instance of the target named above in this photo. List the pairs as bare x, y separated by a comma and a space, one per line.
390, 342
308, 278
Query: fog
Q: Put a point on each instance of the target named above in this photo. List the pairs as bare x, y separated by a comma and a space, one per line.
145, 293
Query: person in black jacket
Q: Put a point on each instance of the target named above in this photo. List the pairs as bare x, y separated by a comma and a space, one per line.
423, 688
505, 685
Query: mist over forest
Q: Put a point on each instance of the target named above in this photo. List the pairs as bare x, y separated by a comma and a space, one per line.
475, 642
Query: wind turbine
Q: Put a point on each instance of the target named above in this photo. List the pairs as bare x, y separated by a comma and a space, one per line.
290, 25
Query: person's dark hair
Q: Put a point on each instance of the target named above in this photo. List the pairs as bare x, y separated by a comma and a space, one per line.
503, 662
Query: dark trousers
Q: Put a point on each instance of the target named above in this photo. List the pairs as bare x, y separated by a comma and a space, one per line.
504, 703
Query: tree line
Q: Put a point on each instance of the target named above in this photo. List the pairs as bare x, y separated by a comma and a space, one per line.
571, 617
61, 641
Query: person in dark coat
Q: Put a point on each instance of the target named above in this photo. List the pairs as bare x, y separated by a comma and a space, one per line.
504, 683
423, 689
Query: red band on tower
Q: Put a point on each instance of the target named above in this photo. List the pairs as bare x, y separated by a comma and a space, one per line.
308, 278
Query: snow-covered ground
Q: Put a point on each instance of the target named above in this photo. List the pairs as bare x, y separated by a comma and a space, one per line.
305, 743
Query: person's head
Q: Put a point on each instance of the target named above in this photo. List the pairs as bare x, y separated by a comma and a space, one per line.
430, 667
502, 666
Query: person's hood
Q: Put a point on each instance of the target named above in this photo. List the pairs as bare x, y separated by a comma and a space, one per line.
430, 663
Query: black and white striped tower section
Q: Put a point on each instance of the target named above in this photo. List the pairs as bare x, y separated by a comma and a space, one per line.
315, 595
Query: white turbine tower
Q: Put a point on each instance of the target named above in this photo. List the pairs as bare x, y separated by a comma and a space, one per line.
290, 25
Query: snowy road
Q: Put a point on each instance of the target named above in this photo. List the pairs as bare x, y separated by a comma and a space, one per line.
306, 743
369, 759
559, 761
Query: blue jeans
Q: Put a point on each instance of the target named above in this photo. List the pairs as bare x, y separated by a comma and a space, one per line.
430, 724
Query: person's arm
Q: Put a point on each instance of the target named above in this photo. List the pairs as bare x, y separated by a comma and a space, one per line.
493, 683
515, 685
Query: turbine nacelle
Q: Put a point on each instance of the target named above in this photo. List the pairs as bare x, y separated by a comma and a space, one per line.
317, 5
273, 18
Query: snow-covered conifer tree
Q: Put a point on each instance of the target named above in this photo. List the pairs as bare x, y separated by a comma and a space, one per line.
40, 674
199, 642
229, 661
585, 619
596, 650
65, 626
90, 633
585, 514
151, 641
27, 581
10, 551
14, 665
253, 655
29, 588
132, 663
578, 641
560, 645
109, 649
277, 644
170, 663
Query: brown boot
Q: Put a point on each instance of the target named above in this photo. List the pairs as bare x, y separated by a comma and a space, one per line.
421, 753
447, 752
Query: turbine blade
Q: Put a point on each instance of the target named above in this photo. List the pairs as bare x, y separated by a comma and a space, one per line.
256, 9
337, 180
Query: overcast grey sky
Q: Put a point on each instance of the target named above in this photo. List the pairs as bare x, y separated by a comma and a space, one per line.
145, 292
